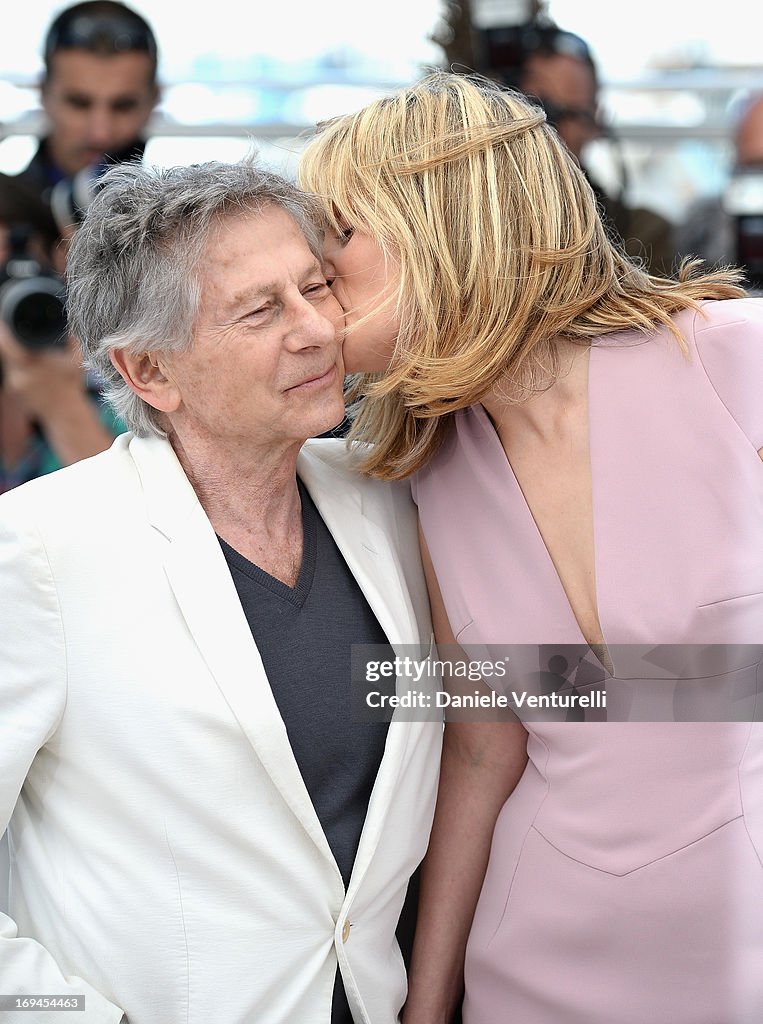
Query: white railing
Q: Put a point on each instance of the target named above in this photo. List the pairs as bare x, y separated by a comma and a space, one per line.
673, 128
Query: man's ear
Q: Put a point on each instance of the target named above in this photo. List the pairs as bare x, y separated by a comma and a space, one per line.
145, 375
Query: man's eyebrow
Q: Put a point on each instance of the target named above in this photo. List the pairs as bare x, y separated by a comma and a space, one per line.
312, 268
125, 97
75, 94
249, 296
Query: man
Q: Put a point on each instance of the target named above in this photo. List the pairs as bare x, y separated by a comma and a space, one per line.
98, 92
556, 67
201, 831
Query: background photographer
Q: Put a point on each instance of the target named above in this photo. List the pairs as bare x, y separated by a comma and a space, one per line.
98, 92
522, 47
49, 411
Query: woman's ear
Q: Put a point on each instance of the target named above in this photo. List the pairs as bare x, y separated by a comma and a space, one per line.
146, 376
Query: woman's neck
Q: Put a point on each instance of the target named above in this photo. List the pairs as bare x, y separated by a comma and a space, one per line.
549, 412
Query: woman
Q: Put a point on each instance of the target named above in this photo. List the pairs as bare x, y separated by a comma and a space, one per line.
582, 440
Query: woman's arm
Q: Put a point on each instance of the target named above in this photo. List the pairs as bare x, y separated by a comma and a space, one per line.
481, 764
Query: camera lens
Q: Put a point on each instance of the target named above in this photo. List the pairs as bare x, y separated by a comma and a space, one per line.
35, 311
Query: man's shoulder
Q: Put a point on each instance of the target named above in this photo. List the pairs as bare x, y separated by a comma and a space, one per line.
65, 492
36, 177
359, 506
332, 471
334, 452
332, 457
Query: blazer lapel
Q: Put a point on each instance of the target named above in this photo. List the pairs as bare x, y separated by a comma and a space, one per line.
364, 546
376, 567
207, 598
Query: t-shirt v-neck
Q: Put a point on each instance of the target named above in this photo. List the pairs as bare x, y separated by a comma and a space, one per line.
296, 595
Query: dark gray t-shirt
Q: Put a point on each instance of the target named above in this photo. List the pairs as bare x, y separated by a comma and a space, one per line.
304, 635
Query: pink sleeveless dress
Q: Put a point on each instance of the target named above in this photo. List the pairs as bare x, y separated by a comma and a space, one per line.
625, 882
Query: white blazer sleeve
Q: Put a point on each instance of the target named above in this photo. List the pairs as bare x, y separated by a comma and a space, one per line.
32, 701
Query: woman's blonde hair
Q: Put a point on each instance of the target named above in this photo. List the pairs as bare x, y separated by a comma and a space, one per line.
500, 248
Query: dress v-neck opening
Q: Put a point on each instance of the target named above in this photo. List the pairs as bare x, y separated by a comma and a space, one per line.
600, 651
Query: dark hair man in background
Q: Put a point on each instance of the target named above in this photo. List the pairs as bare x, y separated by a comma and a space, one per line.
98, 92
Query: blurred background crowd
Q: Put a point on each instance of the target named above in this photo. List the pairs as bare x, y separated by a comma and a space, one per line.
662, 105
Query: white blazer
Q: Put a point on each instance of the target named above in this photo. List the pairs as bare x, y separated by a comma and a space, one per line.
166, 859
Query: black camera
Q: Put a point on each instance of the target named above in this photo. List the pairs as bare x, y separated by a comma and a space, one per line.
507, 34
32, 297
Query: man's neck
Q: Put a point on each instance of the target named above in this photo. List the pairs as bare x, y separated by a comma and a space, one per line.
249, 494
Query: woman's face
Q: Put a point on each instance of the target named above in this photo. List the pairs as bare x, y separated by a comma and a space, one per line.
361, 281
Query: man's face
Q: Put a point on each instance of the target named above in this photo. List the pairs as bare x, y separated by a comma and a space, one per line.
567, 84
96, 104
265, 368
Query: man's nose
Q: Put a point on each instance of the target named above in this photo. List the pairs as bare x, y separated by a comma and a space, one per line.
101, 127
312, 326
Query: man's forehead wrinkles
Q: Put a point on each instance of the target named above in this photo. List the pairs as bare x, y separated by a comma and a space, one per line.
256, 290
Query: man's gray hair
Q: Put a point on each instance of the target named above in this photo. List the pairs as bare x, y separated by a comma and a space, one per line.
134, 265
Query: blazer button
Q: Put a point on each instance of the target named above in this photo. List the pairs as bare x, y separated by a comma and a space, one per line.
346, 930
